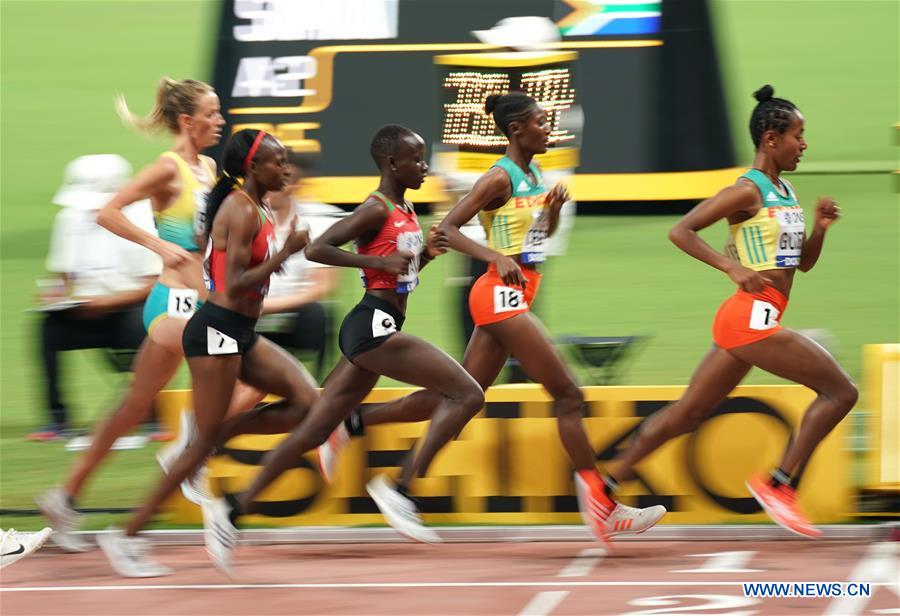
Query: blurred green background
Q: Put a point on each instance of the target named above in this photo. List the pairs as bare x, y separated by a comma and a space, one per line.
838, 61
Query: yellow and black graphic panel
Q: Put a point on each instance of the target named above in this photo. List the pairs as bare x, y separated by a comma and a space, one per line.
508, 466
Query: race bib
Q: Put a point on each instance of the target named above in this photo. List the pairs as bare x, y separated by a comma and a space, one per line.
200, 198
508, 299
413, 242
533, 249
218, 343
182, 303
763, 315
382, 324
791, 234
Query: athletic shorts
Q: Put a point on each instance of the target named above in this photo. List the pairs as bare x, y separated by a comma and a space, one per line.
368, 325
748, 317
214, 330
492, 301
173, 303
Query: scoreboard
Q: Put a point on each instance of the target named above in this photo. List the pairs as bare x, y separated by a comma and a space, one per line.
469, 139
324, 75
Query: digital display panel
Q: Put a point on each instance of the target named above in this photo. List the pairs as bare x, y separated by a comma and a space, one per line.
465, 123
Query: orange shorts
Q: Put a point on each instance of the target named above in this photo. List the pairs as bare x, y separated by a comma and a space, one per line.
748, 317
492, 301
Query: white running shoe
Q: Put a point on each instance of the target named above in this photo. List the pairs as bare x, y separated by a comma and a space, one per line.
400, 511
15, 545
626, 520
167, 455
130, 556
194, 486
330, 450
219, 533
54, 504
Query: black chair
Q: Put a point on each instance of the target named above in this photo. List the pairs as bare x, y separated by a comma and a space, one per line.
602, 358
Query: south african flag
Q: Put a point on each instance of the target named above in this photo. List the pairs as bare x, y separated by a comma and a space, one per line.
605, 17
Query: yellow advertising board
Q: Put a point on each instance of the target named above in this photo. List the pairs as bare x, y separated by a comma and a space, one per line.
881, 400
508, 467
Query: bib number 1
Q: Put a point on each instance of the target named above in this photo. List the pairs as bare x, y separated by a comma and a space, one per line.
763, 315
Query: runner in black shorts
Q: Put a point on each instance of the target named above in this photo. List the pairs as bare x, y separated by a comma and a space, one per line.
220, 342
390, 252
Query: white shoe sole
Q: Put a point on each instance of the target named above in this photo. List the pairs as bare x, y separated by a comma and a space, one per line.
401, 526
66, 540
108, 544
219, 555
35, 544
630, 531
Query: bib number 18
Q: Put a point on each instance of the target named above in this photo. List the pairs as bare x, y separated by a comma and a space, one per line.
508, 299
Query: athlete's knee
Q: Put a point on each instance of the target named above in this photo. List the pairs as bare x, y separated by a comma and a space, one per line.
846, 395
473, 399
302, 394
569, 401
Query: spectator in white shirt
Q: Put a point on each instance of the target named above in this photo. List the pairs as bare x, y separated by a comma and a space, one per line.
296, 314
101, 281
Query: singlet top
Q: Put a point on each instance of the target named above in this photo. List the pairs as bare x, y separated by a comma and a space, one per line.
183, 220
519, 226
401, 231
215, 262
773, 237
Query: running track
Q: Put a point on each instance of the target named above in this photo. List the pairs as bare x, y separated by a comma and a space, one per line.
658, 577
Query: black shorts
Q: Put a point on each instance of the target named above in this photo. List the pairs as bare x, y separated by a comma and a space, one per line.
214, 331
369, 324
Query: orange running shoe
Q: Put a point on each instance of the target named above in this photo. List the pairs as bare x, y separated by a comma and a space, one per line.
593, 502
781, 505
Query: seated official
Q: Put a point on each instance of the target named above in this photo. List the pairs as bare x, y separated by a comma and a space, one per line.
95, 299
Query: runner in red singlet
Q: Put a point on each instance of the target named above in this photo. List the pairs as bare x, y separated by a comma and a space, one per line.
220, 342
390, 252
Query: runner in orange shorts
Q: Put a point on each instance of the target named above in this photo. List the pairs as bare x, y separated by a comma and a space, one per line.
768, 244
518, 213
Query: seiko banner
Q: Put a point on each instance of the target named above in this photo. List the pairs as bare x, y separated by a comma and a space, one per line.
324, 75
508, 467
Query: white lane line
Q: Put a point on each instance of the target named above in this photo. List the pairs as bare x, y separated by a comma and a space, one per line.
583, 563
879, 566
544, 603
723, 562
537, 584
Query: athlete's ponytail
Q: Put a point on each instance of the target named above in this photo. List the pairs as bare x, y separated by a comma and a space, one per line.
508, 108
240, 151
770, 113
172, 99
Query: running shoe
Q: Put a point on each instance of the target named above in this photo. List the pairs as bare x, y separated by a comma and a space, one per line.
781, 504
52, 432
400, 511
330, 450
625, 520
194, 487
219, 533
15, 545
56, 507
596, 507
130, 556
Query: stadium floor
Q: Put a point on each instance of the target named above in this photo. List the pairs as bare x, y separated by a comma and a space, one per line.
548, 577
